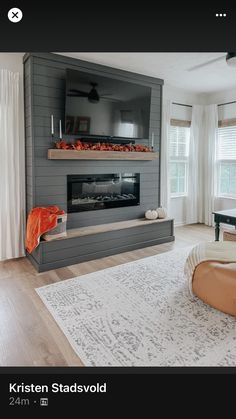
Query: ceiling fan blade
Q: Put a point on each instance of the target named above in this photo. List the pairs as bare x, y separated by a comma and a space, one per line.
73, 95
104, 96
78, 93
214, 60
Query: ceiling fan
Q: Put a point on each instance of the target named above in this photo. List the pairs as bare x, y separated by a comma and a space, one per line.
92, 95
230, 59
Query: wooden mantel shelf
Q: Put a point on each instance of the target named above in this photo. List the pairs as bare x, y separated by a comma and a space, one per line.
56, 154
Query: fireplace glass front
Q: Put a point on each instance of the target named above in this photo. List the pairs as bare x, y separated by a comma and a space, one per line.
96, 192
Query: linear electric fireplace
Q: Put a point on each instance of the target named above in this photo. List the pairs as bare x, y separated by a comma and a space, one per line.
96, 192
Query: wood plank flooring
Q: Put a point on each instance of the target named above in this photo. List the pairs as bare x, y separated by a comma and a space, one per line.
28, 334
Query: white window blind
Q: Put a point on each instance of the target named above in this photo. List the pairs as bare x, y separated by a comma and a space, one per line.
227, 161
179, 154
227, 143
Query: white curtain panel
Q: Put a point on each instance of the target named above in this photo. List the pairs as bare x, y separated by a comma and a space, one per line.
202, 179
12, 178
194, 200
210, 173
165, 156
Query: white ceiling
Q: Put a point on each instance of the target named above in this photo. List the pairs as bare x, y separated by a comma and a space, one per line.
172, 67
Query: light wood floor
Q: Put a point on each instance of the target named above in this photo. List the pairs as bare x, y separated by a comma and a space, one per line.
28, 334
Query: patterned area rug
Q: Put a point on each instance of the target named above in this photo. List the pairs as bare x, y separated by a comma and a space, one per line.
141, 314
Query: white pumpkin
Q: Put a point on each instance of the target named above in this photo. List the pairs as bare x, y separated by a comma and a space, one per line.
161, 212
151, 214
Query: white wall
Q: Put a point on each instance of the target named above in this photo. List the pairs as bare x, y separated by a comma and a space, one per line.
226, 111
178, 205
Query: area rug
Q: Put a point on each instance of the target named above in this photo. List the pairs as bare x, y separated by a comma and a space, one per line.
141, 314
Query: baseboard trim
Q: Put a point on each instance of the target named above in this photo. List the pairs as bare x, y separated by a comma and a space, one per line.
180, 223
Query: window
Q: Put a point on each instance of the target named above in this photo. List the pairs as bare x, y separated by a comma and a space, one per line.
227, 161
179, 156
127, 127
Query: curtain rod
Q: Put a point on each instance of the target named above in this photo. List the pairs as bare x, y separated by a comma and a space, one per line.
182, 104
227, 103
190, 106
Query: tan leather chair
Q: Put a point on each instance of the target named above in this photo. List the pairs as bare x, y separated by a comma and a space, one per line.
215, 284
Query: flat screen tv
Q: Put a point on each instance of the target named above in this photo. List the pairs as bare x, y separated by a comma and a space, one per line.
98, 106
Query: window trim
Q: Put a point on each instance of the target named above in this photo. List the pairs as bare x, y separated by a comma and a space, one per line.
219, 194
186, 163
222, 196
180, 159
227, 197
224, 124
227, 123
179, 195
180, 123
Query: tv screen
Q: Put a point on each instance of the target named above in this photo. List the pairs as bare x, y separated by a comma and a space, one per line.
101, 106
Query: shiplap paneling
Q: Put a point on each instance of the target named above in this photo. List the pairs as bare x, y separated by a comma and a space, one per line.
42, 267
45, 95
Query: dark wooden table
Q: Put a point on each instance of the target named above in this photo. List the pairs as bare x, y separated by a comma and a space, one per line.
226, 217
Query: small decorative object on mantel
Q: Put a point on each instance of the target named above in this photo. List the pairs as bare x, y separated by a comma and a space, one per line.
151, 214
152, 141
60, 130
161, 212
52, 127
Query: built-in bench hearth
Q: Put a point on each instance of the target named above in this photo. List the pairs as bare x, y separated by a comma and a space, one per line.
95, 242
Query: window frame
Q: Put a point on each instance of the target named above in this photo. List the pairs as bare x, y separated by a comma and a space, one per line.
180, 159
224, 124
219, 193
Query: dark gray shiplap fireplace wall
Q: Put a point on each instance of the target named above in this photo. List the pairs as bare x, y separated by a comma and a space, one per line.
47, 179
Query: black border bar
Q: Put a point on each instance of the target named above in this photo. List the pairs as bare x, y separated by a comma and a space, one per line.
117, 27
114, 370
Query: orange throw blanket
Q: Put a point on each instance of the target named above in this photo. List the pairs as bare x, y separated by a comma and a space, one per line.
40, 220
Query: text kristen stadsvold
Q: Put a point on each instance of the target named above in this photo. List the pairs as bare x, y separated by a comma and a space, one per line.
57, 388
